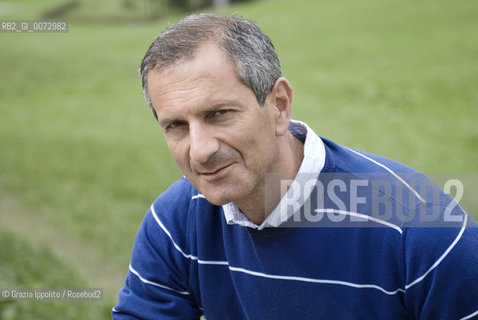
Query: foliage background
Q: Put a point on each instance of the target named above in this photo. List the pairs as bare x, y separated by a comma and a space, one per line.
81, 157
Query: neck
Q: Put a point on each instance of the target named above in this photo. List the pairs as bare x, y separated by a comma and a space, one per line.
258, 208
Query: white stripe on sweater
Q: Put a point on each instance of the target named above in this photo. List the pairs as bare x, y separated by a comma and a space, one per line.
154, 283
360, 215
270, 276
447, 251
391, 171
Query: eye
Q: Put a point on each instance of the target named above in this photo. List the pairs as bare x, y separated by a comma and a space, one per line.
220, 113
174, 125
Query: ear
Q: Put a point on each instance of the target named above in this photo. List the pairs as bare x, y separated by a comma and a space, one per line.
281, 102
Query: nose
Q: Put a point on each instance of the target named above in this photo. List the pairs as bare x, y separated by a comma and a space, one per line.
202, 143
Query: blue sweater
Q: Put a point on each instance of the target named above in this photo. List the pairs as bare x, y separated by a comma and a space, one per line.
352, 264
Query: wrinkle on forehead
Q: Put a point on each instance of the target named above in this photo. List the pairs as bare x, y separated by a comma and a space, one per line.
181, 89
206, 80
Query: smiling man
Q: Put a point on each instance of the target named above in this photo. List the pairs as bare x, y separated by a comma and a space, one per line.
220, 136
271, 221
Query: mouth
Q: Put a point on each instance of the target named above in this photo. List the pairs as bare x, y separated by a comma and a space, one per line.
217, 173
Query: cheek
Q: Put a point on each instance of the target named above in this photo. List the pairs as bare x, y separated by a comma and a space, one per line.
180, 155
257, 140
254, 154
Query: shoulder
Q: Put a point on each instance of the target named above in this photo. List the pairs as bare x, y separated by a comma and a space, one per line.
167, 214
344, 159
388, 190
174, 207
181, 199
177, 197
177, 215
383, 181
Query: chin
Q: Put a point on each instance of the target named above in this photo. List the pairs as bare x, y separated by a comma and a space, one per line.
224, 191
220, 196
216, 202
216, 199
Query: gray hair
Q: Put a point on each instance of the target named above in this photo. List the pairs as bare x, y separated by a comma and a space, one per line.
243, 42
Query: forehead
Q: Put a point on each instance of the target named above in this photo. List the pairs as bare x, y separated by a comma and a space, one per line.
207, 77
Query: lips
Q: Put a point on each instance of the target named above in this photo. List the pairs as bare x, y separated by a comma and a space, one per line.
216, 173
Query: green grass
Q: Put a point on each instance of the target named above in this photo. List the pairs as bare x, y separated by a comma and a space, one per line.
26, 267
106, 11
26, 9
81, 157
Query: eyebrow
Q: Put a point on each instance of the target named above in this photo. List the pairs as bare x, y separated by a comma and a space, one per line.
221, 106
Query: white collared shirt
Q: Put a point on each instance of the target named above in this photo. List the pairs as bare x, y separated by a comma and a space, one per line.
312, 164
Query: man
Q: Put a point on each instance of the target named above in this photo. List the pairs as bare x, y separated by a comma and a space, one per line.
246, 235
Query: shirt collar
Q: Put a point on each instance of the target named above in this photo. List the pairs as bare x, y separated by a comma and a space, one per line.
312, 164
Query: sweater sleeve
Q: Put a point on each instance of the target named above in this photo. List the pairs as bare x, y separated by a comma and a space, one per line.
441, 269
156, 286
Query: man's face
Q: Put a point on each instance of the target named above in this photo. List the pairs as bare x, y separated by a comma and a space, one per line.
220, 137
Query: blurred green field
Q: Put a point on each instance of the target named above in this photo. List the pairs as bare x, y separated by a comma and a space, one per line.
81, 157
